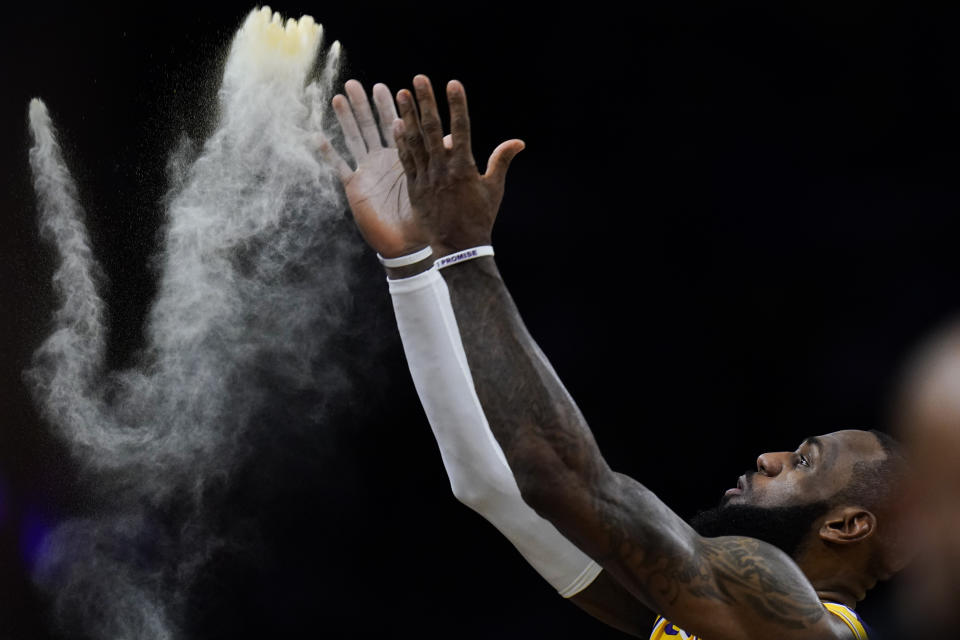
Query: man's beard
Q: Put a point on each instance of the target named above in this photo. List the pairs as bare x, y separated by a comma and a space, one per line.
784, 527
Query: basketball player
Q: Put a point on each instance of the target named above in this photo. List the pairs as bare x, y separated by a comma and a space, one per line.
788, 553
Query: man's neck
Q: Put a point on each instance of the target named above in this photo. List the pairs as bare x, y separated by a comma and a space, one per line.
846, 587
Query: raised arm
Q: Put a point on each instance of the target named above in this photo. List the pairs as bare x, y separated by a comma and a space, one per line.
719, 588
478, 472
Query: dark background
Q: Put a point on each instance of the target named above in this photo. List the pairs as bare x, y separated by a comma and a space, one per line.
728, 228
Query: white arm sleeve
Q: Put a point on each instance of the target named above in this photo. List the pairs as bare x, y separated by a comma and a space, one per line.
479, 474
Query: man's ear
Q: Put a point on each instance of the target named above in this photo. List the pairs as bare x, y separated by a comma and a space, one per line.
848, 524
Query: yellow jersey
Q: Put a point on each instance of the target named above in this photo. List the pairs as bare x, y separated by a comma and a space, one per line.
663, 629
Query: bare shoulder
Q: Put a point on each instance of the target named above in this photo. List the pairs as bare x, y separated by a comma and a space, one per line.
748, 570
743, 587
738, 587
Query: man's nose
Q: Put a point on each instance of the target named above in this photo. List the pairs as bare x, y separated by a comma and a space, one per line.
771, 464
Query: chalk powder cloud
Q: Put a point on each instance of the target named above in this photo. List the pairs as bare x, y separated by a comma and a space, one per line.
254, 272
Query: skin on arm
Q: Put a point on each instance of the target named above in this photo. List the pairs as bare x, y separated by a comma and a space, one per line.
721, 588
609, 602
378, 199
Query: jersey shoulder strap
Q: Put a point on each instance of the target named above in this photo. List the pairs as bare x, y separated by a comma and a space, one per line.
663, 629
849, 617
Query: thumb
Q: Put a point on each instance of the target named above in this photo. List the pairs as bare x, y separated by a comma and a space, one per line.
500, 159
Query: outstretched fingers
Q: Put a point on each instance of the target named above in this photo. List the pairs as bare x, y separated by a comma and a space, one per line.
351, 132
386, 110
363, 114
403, 149
412, 136
459, 121
429, 116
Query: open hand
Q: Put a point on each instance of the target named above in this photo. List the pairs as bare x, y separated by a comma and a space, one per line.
377, 188
453, 203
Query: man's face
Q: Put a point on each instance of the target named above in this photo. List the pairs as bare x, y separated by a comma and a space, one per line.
782, 501
813, 472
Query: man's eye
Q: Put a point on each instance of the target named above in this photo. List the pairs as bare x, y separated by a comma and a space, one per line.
803, 460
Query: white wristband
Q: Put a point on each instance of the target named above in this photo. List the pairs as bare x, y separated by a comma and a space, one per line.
466, 254
403, 261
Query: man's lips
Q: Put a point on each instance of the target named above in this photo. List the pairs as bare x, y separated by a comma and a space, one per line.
741, 485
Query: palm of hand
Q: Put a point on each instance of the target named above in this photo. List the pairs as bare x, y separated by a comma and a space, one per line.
377, 193
453, 206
